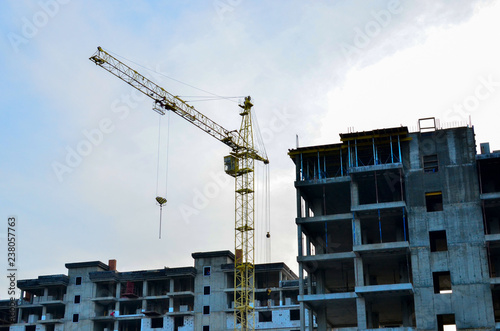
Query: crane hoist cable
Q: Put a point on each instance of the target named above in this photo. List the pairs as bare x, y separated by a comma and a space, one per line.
159, 199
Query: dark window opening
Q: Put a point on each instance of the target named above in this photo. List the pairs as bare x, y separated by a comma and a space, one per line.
30, 328
206, 310
157, 322
77, 299
294, 315
206, 271
442, 282
489, 175
178, 322
75, 318
206, 328
438, 241
206, 290
434, 201
78, 281
446, 322
430, 163
265, 316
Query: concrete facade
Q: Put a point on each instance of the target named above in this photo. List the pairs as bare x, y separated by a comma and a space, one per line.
95, 296
399, 230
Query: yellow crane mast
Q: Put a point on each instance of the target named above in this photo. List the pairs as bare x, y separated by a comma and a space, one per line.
239, 164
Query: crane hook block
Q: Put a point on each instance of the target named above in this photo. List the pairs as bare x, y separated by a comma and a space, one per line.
161, 201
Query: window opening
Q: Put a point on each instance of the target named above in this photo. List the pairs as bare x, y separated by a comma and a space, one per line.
434, 201
442, 282
438, 241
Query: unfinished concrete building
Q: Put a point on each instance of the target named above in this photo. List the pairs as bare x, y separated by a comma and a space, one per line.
95, 296
399, 230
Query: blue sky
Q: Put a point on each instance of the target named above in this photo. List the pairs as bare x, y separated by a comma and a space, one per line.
313, 69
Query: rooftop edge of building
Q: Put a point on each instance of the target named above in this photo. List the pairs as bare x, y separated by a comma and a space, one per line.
201, 255
88, 264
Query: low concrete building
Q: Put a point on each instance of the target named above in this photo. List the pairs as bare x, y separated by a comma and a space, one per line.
95, 296
399, 230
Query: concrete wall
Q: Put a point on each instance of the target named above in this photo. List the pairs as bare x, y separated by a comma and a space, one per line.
461, 218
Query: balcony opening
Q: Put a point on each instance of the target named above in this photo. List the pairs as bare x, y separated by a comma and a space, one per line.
385, 269
390, 312
185, 284
158, 287
328, 199
156, 307
339, 277
434, 201
446, 322
183, 304
442, 282
267, 279
331, 237
391, 228
380, 187
131, 307
489, 175
105, 289
438, 241
491, 215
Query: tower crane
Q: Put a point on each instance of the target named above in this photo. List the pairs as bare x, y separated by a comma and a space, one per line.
238, 164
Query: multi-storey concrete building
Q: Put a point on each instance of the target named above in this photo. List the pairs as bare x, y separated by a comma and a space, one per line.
95, 296
399, 230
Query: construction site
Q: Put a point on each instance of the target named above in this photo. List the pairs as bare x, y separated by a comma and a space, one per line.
397, 230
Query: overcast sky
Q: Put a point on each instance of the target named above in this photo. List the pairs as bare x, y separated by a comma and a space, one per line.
79, 147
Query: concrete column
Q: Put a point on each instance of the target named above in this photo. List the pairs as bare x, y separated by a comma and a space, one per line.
281, 292
357, 240
171, 299
320, 282
144, 294
301, 293
321, 318
117, 304
361, 311
359, 271
19, 314
354, 193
